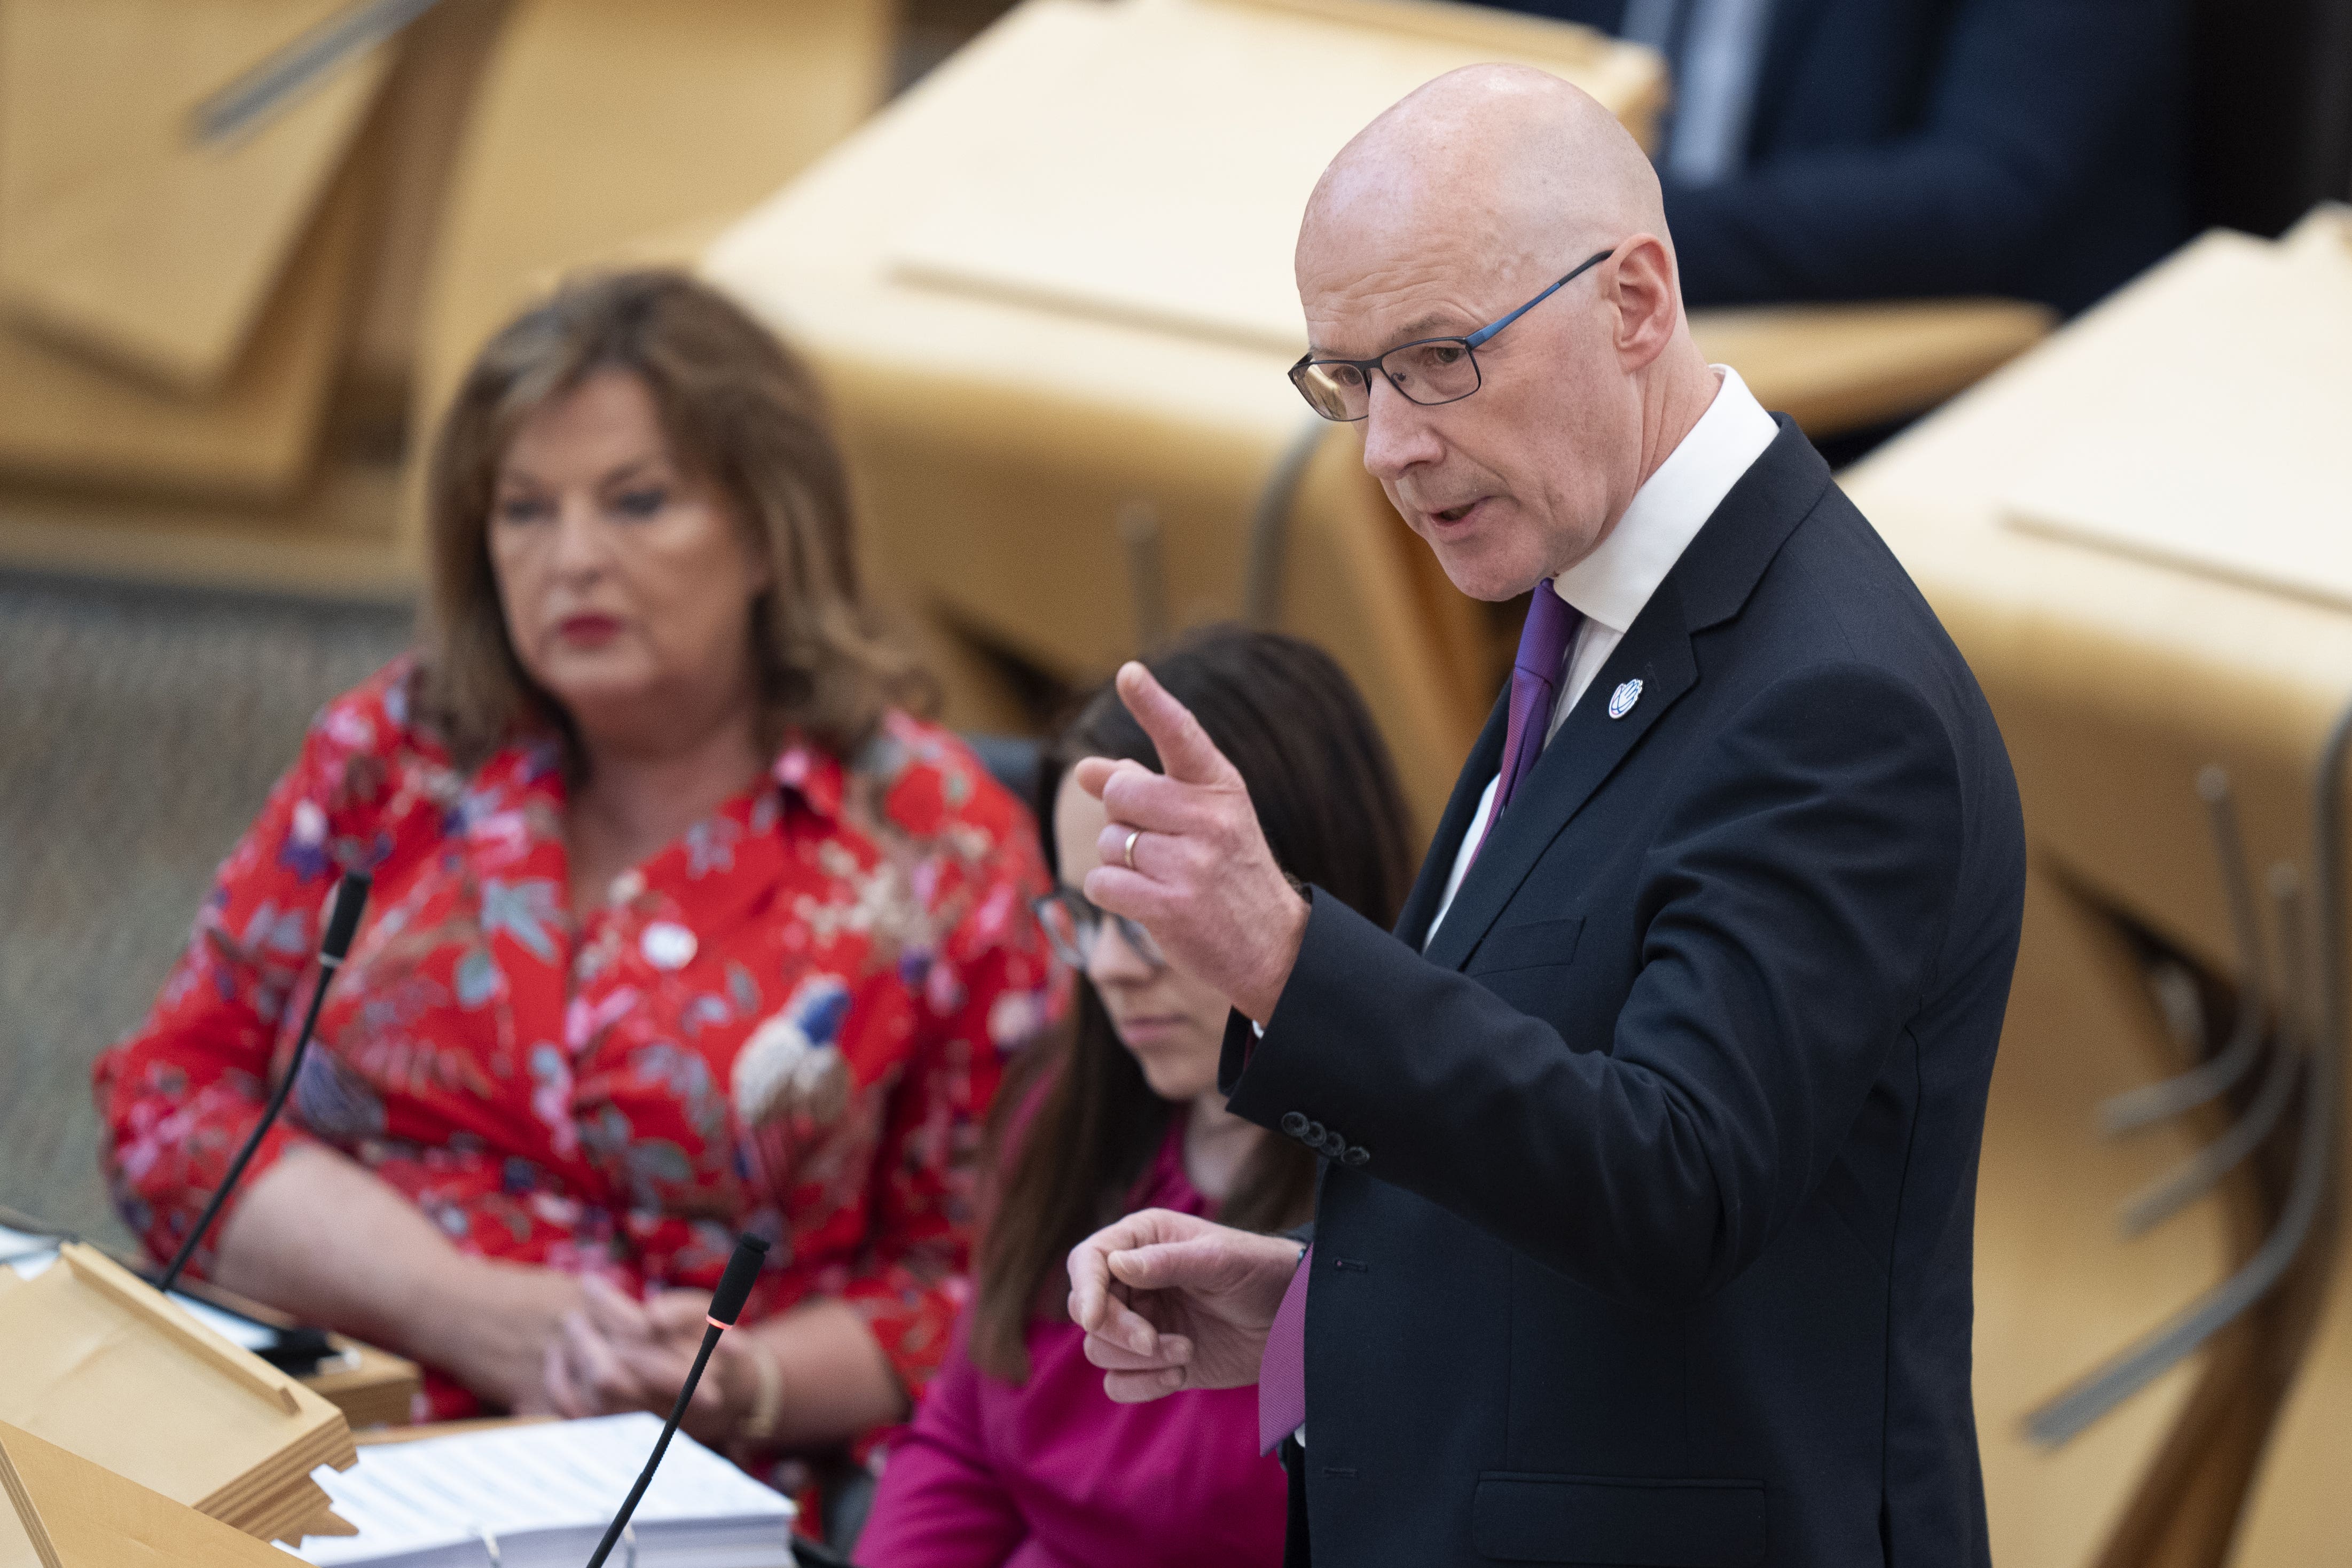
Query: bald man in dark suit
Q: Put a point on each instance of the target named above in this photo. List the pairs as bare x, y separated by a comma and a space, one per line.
1650, 1135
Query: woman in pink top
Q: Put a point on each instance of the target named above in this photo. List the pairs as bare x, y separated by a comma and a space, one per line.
1017, 1457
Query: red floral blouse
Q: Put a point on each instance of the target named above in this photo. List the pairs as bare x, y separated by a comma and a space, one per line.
788, 1021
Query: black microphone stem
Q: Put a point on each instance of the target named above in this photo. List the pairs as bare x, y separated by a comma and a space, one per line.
726, 1306
351, 896
661, 1446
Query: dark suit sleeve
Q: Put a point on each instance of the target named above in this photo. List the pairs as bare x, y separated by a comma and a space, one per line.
1789, 909
2032, 103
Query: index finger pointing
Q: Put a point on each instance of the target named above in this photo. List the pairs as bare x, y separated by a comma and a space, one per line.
1186, 752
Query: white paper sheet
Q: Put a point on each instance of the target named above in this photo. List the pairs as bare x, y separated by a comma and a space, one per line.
545, 1493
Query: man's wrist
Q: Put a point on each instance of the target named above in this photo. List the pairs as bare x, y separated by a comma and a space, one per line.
1266, 994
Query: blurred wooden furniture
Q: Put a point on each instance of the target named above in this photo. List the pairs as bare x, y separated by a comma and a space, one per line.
1050, 291
443, 1429
206, 349
1834, 368
600, 121
2058, 1287
2134, 534
103, 1364
374, 1388
167, 311
2294, 1518
58, 1509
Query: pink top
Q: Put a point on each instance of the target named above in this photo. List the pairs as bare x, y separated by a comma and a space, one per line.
1052, 1474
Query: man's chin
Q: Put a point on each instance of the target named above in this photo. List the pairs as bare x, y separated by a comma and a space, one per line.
1483, 573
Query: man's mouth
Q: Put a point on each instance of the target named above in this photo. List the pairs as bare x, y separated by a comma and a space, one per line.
1456, 513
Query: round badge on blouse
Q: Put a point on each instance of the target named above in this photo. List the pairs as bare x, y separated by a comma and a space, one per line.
667, 945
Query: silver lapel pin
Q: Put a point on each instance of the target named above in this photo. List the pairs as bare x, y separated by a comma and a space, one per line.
1622, 700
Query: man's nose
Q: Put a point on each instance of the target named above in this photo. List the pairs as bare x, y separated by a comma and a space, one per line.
1397, 433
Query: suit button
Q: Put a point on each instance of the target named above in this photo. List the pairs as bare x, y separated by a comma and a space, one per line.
1293, 1125
1315, 1133
1356, 1155
1335, 1145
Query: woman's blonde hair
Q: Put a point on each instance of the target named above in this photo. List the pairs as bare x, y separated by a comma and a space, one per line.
740, 412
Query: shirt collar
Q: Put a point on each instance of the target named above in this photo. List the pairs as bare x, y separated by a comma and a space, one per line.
1612, 583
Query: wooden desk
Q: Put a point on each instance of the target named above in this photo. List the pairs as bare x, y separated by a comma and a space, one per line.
379, 1389
2118, 670
1835, 368
175, 319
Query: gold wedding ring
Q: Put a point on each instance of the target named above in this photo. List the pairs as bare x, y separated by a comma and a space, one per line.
1132, 835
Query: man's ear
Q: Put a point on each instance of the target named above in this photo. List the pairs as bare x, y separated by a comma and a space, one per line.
1649, 300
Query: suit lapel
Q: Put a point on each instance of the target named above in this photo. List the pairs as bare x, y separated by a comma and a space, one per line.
1580, 757
1708, 587
1486, 758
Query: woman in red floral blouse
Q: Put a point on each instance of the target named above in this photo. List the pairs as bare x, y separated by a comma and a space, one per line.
680, 924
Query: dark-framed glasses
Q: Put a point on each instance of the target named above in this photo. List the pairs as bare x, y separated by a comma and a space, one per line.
1074, 925
1429, 370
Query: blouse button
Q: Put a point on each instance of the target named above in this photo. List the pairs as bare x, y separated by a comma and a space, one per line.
667, 945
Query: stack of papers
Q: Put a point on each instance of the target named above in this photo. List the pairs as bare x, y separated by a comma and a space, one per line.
517, 1497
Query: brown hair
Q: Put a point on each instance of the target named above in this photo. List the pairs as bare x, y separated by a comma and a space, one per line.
1085, 1120
740, 411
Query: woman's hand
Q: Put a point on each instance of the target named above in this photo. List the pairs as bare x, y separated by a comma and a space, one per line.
613, 1354
488, 1325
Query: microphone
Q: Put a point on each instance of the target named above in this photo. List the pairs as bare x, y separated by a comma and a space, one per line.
342, 923
726, 1306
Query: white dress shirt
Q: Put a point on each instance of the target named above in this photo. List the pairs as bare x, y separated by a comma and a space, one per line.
1609, 586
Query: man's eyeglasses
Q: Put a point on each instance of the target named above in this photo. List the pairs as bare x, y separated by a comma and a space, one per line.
1429, 370
1073, 927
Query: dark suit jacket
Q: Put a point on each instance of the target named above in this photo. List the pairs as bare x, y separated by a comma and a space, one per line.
2035, 148
1644, 1236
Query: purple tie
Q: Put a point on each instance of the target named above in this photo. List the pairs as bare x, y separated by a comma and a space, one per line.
1282, 1371
1535, 690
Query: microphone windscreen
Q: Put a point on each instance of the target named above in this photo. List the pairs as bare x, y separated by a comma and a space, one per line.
735, 1286
343, 919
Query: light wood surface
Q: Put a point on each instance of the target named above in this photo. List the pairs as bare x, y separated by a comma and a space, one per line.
135, 1297
58, 1509
81, 1357
335, 538
118, 232
2057, 1288
598, 121
1157, 179
65, 417
376, 1388
2118, 670
444, 1429
408, 160
1834, 368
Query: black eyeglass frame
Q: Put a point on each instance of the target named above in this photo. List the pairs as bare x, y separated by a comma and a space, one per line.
1470, 345
1085, 912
